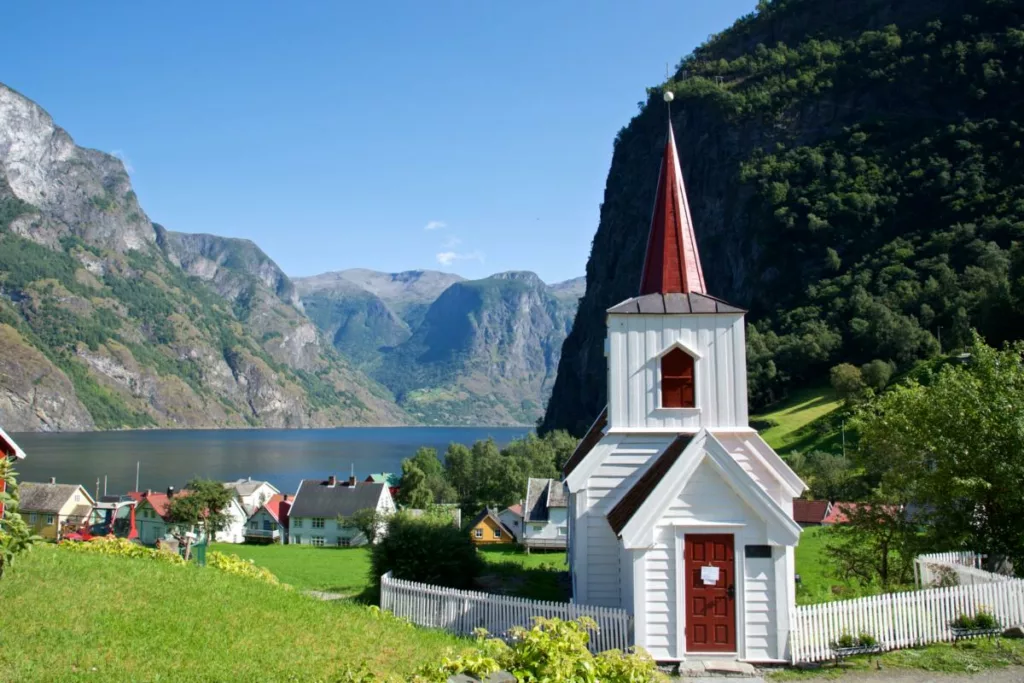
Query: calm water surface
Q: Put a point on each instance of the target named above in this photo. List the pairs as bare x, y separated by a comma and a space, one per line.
282, 457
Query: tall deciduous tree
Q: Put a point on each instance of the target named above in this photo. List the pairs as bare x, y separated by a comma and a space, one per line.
956, 445
203, 504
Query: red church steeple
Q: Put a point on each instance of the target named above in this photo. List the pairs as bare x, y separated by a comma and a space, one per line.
672, 264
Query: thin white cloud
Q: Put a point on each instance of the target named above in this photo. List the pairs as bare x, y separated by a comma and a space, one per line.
451, 242
435, 225
447, 258
124, 160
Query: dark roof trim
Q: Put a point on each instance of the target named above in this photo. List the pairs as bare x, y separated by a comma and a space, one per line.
625, 509
675, 304
591, 439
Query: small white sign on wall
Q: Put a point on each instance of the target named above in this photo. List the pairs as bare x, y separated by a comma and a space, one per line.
709, 575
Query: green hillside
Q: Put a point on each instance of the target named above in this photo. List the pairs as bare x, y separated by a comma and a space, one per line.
856, 177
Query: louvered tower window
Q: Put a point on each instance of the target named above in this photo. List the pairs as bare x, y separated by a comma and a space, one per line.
677, 380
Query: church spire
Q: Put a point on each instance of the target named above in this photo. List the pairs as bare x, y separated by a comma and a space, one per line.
672, 264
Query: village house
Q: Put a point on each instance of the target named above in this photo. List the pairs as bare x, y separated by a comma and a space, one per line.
252, 494
153, 523
269, 523
10, 451
512, 517
47, 508
487, 529
317, 515
392, 480
811, 512
680, 513
545, 516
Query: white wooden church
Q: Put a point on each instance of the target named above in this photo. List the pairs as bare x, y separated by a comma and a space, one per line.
679, 512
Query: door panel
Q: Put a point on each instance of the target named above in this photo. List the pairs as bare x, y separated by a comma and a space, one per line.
710, 607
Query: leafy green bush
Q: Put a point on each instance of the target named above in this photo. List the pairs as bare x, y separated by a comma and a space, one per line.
233, 564
985, 620
846, 640
552, 650
123, 548
867, 640
963, 621
426, 549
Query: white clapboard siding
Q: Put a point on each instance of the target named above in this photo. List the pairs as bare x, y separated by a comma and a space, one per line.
462, 612
660, 606
900, 620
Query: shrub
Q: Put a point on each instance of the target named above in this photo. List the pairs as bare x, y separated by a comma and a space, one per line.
426, 549
964, 621
763, 423
867, 640
233, 564
846, 640
122, 547
552, 650
985, 620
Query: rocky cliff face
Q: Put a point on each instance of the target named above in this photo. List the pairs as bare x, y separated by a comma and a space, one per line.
485, 352
109, 321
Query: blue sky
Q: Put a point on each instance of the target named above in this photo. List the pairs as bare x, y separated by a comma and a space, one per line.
471, 136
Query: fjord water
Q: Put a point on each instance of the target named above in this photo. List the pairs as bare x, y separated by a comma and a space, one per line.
281, 456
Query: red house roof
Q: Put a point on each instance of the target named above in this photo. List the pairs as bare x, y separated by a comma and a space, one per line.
160, 502
672, 264
810, 511
838, 513
516, 509
278, 508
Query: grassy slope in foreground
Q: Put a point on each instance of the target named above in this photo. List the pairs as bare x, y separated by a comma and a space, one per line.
112, 618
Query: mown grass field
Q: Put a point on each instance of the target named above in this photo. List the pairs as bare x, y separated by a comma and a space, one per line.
70, 617
335, 570
795, 429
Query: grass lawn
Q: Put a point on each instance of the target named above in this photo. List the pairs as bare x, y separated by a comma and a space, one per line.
966, 658
336, 570
72, 616
795, 417
538, 576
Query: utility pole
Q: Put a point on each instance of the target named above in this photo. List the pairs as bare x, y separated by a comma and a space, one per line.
104, 485
136, 475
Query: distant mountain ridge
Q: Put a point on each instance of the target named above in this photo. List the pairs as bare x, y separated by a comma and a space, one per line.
110, 321
453, 351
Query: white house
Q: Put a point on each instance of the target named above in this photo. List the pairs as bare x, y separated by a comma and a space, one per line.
269, 523
545, 516
152, 517
252, 494
314, 515
512, 517
679, 511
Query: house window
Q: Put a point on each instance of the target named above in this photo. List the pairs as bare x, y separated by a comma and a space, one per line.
759, 551
298, 540
479, 533
33, 518
318, 541
497, 533
253, 526
344, 542
296, 523
266, 525
537, 527
677, 379
78, 497
49, 520
562, 531
318, 522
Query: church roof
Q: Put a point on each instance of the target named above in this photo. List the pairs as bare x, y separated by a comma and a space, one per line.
672, 263
674, 303
627, 506
593, 436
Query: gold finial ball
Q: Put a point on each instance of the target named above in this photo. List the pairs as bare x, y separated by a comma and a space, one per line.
669, 96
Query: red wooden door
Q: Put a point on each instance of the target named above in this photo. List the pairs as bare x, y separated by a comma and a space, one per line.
710, 605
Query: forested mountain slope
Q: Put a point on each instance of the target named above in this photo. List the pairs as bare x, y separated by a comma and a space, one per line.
110, 321
856, 176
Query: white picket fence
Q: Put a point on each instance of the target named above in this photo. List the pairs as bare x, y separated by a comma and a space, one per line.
899, 620
931, 570
462, 612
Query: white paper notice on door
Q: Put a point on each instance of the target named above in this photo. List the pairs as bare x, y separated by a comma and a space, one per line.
709, 575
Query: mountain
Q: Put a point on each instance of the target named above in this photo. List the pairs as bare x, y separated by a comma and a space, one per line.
855, 176
453, 351
109, 321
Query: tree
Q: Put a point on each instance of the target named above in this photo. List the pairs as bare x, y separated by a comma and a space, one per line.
428, 484
414, 491
371, 522
15, 536
876, 545
876, 374
426, 549
831, 475
847, 381
202, 504
957, 446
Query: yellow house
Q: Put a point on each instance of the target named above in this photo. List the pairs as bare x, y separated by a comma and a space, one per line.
487, 529
46, 508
